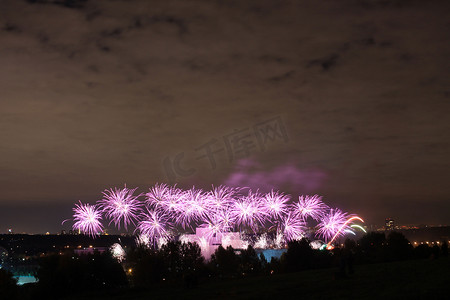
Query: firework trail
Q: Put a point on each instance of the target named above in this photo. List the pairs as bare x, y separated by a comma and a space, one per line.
87, 219
120, 205
359, 227
343, 228
332, 224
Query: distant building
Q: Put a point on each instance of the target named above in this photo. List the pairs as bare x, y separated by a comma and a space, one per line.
208, 246
389, 224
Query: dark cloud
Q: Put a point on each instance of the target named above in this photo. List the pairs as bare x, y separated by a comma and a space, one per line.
96, 94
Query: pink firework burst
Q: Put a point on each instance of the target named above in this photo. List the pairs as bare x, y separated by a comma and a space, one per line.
157, 195
120, 205
154, 225
310, 206
192, 208
87, 219
331, 223
275, 204
220, 198
167, 199
224, 218
248, 211
218, 223
293, 227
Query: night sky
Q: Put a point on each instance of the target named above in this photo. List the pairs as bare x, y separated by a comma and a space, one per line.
347, 99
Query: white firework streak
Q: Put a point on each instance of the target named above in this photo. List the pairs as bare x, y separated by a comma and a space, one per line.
262, 242
143, 240
117, 252
279, 240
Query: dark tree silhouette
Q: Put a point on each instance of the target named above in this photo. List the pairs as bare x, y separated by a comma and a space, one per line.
398, 246
69, 273
371, 247
299, 256
145, 266
444, 249
175, 261
435, 250
422, 251
224, 262
249, 261
8, 287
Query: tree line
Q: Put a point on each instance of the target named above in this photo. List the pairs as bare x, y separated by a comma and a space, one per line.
182, 264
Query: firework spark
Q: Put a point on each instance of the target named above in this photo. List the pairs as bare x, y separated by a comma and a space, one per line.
220, 198
120, 205
262, 242
343, 228
154, 225
215, 214
248, 211
87, 219
310, 206
117, 252
275, 204
293, 227
142, 240
331, 224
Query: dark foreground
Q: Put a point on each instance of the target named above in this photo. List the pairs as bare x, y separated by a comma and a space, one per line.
413, 279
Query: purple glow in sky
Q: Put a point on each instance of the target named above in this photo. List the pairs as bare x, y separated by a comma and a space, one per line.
252, 174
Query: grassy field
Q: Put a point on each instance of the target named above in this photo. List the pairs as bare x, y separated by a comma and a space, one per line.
417, 279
